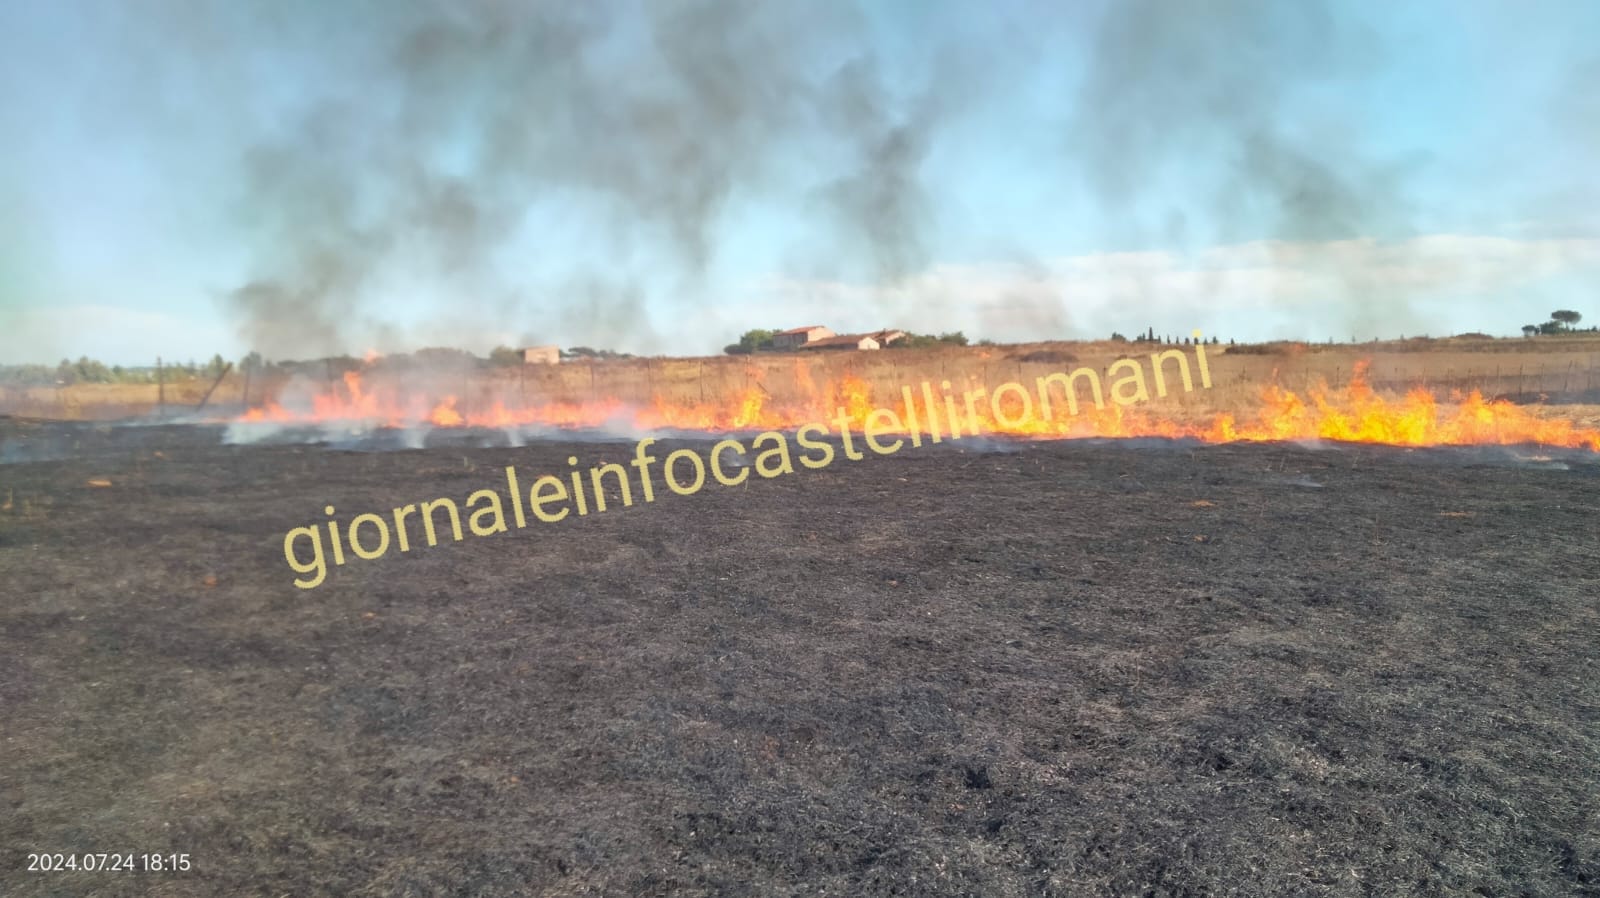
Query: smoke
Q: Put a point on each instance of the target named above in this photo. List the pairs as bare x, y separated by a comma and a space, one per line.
1221, 88
1229, 99
881, 202
493, 171
478, 157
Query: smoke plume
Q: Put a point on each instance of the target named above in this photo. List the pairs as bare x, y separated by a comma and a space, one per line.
449, 137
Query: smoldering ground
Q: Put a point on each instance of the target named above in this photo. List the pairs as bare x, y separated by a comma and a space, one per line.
1070, 668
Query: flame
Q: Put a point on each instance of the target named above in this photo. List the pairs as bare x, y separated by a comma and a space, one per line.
1355, 413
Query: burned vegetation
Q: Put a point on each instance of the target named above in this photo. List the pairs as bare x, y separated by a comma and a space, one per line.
1066, 668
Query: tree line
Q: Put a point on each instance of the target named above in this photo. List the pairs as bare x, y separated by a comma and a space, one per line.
1562, 321
91, 371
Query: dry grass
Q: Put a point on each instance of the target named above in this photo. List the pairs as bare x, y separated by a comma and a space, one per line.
1524, 370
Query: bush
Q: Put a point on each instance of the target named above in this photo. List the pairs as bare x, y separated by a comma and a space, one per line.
923, 341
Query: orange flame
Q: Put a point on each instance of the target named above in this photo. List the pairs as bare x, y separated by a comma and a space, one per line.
1356, 413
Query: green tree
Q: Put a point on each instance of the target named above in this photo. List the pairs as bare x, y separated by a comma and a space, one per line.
757, 339
90, 371
1566, 318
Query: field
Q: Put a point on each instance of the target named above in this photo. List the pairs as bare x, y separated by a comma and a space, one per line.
1034, 669
1532, 371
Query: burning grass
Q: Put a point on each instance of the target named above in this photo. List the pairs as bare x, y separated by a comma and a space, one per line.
1529, 372
1083, 402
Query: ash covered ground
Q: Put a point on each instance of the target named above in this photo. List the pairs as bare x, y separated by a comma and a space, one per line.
1049, 669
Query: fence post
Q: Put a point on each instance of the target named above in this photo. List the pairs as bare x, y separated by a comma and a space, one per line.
161, 390
214, 384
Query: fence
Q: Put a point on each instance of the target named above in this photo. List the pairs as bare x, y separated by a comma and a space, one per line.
801, 379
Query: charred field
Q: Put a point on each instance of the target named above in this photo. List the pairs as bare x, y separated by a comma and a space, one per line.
1004, 669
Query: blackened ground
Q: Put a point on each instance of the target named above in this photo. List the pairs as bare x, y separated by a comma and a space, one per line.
1062, 669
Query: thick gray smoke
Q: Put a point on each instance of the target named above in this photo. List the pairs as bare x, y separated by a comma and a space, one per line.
641, 123
474, 159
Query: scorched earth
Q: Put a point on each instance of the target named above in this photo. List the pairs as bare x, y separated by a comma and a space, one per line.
1051, 668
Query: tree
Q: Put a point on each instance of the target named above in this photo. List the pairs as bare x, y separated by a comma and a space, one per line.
1529, 330
504, 357
757, 339
1565, 317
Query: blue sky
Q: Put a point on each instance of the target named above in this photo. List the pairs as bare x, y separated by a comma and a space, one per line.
187, 178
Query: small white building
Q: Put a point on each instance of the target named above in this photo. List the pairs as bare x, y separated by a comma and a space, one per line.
847, 341
541, 355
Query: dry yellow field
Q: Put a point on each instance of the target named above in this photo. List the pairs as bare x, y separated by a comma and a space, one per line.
1526, 371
